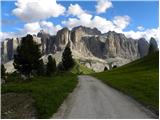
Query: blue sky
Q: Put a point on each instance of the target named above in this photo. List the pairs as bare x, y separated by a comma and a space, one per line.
141, 13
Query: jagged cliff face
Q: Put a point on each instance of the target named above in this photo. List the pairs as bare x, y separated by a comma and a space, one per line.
96, 49
8, 49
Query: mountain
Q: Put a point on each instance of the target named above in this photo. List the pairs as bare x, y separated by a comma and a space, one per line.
94, 49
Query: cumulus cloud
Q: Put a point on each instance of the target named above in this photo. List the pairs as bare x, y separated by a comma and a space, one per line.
4, 35
147, 34
48, 27
101, 23
103, 5
140, 28
121, 22
82, 17
75, 10
28, 28
34, 10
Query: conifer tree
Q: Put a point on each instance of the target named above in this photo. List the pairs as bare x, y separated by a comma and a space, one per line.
27, 57
3, 71
51, 65
67, 60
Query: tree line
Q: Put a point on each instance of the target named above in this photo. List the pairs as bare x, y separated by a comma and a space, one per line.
28, 60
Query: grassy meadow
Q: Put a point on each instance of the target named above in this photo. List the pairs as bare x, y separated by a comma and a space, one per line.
139, 79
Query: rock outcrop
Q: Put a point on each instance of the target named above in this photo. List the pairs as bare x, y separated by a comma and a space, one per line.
154, 45
143, 47
110, 48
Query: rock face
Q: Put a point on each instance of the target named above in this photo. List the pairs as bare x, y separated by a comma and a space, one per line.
88, 44
143, 47
62, 38
154, 44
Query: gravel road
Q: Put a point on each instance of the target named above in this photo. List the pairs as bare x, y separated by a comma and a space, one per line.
93, 99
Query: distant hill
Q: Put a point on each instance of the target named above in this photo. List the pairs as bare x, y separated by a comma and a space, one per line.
139, 79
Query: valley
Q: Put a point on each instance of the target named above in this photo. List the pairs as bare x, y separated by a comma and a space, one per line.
79, 59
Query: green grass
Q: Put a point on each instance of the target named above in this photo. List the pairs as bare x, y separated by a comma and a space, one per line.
80, 69
139, 79
48, 92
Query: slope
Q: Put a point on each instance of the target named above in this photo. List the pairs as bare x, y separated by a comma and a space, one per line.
80, 69
138, 79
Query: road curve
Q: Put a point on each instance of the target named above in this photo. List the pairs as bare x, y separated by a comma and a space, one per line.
93, 99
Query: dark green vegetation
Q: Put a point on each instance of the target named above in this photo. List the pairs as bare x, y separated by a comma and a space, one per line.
67, 60
47, 86
48, 92
78, 68
3, 71
139, 79
51, 65
28, 56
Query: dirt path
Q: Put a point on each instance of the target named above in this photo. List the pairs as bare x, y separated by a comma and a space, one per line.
93, 99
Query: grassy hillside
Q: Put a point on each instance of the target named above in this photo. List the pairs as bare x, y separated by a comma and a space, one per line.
80, 69
48, 92
139, 79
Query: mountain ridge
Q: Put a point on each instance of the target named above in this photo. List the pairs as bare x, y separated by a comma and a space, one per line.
86, 44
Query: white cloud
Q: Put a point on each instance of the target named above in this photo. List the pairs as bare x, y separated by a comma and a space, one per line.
34, 10
102, 24
82, 17
103, 5
140, 28
121, 22
4, 35
48, 27
75, 10
118, 24
32, 28
147, 34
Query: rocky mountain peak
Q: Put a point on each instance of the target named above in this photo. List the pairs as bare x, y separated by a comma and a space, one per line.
153, 43
87, 30
62, 38
143, 47
87, 43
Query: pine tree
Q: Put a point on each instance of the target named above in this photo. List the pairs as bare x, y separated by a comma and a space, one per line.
51, 65
27, 57
41, 68
3, 71
60, 67
67, 60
